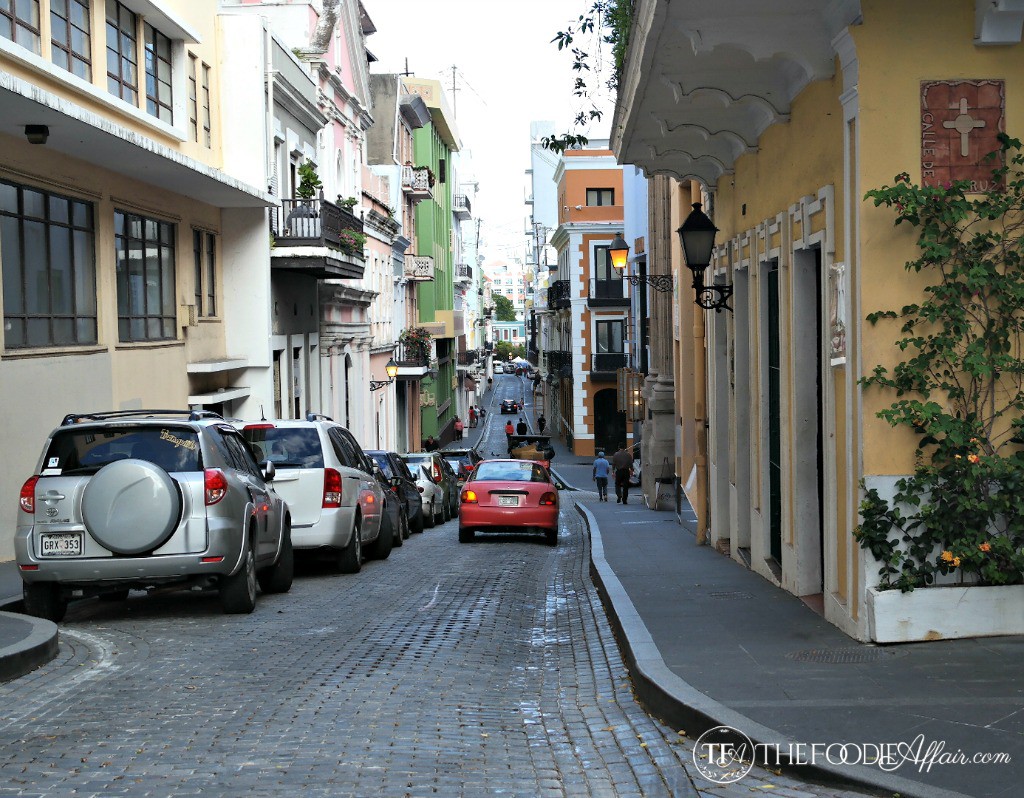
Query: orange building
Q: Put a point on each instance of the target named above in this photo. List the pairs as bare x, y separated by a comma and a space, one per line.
588, 305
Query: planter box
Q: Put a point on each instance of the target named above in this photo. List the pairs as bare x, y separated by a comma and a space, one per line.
944, 613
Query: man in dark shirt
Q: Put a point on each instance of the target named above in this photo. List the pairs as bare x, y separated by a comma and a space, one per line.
622, 463
430, 445
521, 428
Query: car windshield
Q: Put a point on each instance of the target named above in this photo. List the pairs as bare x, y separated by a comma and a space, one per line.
286, 447
88, 450
502, 471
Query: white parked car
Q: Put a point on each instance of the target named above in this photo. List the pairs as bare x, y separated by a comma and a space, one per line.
432, 494
332, 489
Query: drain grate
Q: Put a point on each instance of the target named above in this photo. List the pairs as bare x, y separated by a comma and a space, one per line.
846, 656
731, 594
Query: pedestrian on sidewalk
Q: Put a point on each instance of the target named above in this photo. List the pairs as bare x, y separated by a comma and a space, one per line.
601, 470
472, 417
541, 423
483, 413
459, 427
521, 428
622, 463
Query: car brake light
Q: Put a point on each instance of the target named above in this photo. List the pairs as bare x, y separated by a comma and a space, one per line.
549, 499
216, 485
367, 496
469, 496
332, 488
394, 488
28, 495
436, 469
258, 426
29, 567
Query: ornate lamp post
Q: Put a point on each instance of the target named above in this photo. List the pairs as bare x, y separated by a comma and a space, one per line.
392, 371
697, 237
619, 253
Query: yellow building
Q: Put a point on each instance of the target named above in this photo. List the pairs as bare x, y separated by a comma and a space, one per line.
778, 117
125, 248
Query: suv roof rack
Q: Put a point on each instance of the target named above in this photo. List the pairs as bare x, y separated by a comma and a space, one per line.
193, 415
317, 417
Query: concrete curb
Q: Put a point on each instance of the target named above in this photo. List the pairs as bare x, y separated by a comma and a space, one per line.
682, 706
35, 649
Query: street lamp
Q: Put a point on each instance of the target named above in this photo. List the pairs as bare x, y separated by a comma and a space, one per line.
697, 237
619, 253
392, 371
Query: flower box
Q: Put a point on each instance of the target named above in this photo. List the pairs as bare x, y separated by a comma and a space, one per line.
944, 613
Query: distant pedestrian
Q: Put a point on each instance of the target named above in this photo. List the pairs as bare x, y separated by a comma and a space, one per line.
472, 416
430, 445
541, 423
459, 427
601, 470
483, 413
622, 462
521, 427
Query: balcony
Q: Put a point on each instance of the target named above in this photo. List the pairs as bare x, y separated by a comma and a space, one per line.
318, 238
604, 365
418, 182
419, 268
466, 358
463, 273
413, 361
559, 295
461, 207
559, 363
608, 294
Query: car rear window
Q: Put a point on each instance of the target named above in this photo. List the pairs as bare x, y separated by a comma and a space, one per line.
286, 447
511, 472
381, 459
88, 450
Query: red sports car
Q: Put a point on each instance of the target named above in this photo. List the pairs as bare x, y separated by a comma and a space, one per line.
501, 495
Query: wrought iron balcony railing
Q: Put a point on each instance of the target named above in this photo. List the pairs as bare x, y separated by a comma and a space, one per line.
608, 293
314, 222
603, 365
559, 295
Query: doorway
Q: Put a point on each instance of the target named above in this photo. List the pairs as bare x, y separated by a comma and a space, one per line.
774, 418
609, 422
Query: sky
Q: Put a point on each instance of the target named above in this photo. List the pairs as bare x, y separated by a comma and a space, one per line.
507, 74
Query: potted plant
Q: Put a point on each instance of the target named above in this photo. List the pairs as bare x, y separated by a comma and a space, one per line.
309, 181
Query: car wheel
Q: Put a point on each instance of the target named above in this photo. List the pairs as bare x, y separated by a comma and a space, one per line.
429, 519
406, 529
45, 600
455, 506
278, 577
552, 536
466, 535
350, 559
403, 529
114, 595
419, 521
438, 515
380, 549
446, 513
238, 590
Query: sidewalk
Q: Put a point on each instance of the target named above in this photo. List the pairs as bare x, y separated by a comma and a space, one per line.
710, 643
25, 643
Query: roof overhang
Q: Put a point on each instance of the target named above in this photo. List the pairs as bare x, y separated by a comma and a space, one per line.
98, 140
704, 79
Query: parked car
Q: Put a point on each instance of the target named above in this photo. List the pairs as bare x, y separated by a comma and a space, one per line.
403, 484
509, 406
336, 501
502, 495
441, 474
509, 368
140, 499
462, 462
432, 495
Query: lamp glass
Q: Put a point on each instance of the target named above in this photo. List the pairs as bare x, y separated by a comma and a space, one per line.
619, 252
697, 237
391, 368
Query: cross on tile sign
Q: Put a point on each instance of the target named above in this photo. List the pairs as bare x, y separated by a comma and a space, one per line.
963, 125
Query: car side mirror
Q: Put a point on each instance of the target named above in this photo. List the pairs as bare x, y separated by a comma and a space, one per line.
378, 474
269, 471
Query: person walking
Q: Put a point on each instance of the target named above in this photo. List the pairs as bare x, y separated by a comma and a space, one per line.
459, 427
622, 463
541, 423
521, 428
509, 430
483, 413
472, 417
430, 445
601, 470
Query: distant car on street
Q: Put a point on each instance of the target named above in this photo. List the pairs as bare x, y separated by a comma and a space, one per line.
462, 461
143, 499
509, 368
504, 495
509, 406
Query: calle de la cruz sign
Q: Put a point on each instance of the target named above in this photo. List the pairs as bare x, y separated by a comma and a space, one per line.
960, 123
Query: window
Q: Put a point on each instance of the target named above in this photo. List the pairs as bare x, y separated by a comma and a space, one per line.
69, 35
49, 268
144, 251
204, 248
158, 75
600, 196
207, 137
19, 22
609, 336
122, 59
193, 99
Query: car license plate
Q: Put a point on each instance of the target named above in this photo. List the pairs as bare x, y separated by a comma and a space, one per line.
61, 544
508, 501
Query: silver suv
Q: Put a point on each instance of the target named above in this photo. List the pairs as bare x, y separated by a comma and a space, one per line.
334, 491
146, 498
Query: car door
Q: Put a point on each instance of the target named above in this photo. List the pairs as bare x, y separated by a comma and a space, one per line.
409, 490
356, 481
247, 471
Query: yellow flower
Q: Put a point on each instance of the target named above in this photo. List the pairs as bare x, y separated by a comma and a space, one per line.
946, 556
972, 458
956, 562
985, 546
957, 457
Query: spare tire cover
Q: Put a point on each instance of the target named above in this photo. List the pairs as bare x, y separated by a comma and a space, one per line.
131, 506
